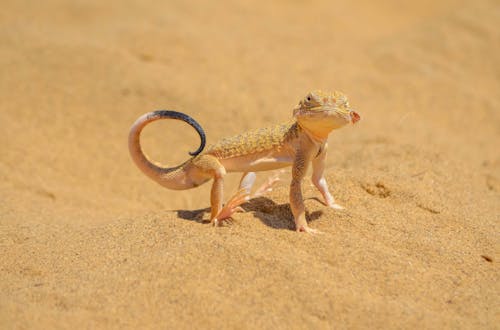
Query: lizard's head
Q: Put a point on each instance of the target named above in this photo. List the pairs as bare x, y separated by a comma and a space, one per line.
321, 112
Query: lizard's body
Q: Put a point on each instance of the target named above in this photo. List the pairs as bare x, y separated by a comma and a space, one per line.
257, 150
293, 144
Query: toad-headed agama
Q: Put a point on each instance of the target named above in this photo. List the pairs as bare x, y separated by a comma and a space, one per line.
300, 143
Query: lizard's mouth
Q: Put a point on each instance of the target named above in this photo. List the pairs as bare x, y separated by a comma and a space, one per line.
321, 111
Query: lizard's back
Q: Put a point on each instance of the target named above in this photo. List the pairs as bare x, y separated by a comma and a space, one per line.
254, 141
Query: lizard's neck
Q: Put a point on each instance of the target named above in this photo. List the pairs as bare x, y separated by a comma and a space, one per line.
319, 134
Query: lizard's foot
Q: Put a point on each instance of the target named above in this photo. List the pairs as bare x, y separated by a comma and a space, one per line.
336, 206
231, 207
306, 229
330, 202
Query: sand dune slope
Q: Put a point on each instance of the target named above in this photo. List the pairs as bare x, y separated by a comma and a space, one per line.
87, 241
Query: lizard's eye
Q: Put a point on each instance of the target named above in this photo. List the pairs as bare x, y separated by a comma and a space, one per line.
308, 98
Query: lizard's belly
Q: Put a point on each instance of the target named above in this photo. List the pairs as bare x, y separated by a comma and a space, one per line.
261, 161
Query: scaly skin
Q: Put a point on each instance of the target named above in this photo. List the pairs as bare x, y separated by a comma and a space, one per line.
297, 144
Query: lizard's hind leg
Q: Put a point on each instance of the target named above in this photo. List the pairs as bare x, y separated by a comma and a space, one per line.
248, 179
210, 165
268, 185
242, 195
232, 206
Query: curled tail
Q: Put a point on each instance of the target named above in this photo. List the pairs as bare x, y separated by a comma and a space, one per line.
170, 177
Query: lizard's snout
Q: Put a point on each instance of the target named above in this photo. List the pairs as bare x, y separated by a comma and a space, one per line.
355, 117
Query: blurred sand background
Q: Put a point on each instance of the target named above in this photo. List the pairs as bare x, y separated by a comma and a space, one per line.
87, 241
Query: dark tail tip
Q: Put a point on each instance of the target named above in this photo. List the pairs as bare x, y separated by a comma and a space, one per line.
187, 119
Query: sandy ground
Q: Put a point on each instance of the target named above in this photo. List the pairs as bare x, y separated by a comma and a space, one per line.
87, 241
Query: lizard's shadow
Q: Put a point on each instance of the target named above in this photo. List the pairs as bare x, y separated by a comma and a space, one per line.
193, 215
278, 216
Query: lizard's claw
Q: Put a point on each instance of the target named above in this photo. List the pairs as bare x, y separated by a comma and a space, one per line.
231, 207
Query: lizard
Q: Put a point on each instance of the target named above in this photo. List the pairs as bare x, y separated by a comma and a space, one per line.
300, 143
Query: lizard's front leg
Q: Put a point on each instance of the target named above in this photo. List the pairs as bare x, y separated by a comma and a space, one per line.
318, 178
299, 170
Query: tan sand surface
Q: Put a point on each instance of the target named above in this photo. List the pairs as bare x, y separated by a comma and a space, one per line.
87, 241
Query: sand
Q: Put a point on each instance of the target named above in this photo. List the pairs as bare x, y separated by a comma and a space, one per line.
88, 241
